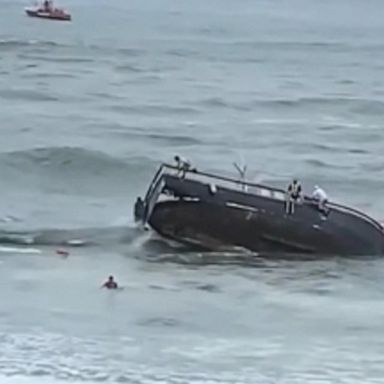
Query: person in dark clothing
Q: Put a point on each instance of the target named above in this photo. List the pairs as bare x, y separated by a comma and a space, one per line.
139, 209
293, 196
47, 6
110, 283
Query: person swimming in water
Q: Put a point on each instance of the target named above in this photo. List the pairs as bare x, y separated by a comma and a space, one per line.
110, 283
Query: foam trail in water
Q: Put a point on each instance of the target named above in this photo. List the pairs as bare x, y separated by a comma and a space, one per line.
141, 239
19, 250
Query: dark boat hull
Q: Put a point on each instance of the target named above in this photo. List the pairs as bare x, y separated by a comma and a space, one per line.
216, 227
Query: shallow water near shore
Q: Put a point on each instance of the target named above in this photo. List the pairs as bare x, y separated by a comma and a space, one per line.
88, 111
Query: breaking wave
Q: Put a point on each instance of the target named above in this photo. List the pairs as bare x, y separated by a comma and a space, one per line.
73, 169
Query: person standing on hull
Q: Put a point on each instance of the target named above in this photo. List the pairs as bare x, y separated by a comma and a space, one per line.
183, 165
293, 196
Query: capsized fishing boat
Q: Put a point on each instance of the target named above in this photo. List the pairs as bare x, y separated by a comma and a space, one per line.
47, 11
216, 212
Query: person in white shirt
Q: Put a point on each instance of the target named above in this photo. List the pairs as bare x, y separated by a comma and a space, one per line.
321, 197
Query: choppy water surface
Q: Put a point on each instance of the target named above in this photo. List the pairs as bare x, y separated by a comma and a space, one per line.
89, 109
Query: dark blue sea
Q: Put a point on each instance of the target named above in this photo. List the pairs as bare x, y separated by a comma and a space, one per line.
88, 111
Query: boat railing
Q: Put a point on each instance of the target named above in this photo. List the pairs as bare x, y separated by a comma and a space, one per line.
151, 192
257, 189
155, 179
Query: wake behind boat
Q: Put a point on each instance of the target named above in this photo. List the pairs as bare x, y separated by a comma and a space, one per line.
215, 212
48, 11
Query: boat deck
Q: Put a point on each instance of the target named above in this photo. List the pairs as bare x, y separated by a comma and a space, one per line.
241, 187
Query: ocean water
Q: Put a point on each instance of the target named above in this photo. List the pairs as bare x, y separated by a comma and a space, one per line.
89, 109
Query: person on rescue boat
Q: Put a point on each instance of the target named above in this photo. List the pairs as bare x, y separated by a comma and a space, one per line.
48, 6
